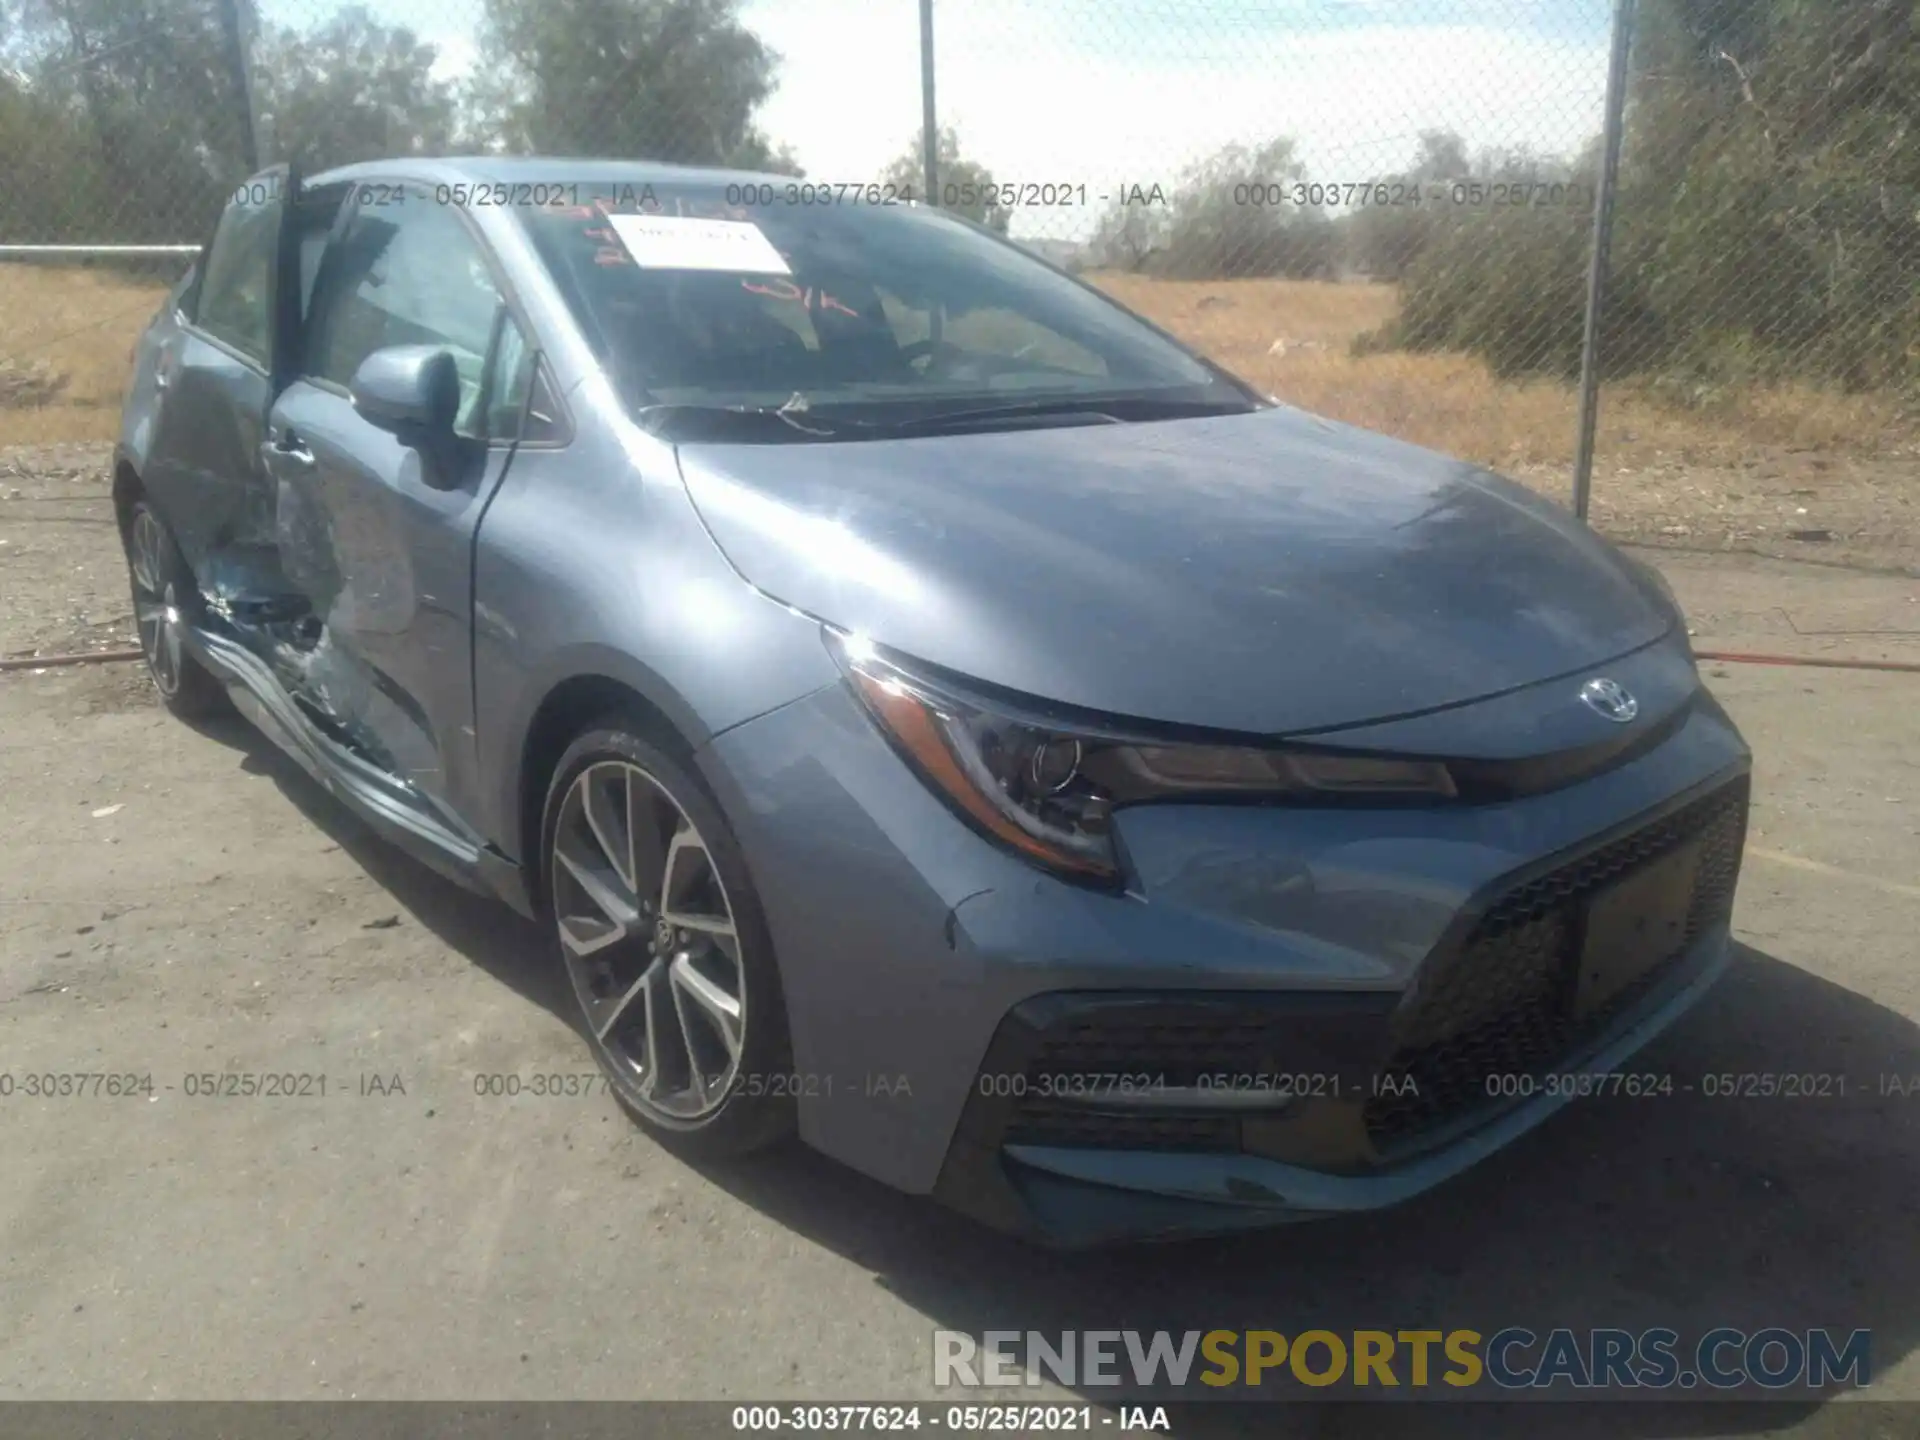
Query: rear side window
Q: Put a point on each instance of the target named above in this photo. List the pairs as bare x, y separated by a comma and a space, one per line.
235, 292
313, 244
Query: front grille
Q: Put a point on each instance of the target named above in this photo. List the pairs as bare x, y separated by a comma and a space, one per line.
1500, 1003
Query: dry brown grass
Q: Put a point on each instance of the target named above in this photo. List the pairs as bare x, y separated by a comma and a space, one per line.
1454, 403
82, 324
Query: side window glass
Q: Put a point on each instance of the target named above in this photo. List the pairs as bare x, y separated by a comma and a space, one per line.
407, 275
313, 244
235, 299
313, 226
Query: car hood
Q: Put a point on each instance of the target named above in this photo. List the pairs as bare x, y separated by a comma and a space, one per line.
1270, 572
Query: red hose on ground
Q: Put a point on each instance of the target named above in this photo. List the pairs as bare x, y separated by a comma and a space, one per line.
1738, 657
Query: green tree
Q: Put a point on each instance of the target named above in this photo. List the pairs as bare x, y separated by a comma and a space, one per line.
352, 89
673, 80
151, 87
53, 186
1129, 235
1775, 189
1235, 214
1406, 207
1767, 223
967, 187
1505, 280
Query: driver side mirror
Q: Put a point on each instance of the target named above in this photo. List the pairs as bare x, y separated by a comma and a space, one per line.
413, 393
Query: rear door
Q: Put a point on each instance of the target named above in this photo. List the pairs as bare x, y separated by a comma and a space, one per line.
379, 540
216, 375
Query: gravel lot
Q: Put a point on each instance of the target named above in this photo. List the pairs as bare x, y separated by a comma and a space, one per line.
175, 902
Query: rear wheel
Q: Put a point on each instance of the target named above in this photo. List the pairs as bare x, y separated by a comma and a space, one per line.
162, 589
664, 943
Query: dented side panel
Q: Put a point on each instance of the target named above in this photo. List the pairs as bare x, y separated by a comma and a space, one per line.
593, 563
213, 374
203, 467
386, 561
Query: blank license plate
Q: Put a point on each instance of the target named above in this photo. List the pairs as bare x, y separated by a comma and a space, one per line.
1633, 925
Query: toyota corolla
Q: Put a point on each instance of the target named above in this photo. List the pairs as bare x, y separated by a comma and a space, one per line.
933, 711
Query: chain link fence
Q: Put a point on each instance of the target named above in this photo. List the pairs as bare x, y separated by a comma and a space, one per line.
1382, 212
1761, 336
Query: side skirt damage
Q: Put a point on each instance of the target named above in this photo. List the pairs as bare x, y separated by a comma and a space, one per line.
396, 810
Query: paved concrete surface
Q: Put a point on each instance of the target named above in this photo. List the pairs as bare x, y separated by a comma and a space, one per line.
175, 902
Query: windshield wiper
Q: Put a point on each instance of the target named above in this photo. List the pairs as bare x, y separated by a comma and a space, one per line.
1094, 410
796, 418
727, 422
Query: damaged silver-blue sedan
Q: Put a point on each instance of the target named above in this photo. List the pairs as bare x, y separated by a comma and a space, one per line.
934, 711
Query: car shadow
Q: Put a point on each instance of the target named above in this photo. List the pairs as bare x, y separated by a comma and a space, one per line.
512, 949
1689, 1211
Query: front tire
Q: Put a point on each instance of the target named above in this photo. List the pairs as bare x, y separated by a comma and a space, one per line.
665, 945
163, 592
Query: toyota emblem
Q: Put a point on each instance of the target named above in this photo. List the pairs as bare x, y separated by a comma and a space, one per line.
1611, 699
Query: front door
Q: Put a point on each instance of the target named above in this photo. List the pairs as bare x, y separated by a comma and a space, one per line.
377, 534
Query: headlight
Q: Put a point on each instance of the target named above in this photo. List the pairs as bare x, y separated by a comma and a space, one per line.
1048, 790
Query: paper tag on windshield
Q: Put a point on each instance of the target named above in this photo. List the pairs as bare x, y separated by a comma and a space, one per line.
680, 242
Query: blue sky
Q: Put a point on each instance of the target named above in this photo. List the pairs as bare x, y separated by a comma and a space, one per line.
1104, 92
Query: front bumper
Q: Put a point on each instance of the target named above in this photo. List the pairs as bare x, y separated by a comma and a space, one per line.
925, 971
1074, 1195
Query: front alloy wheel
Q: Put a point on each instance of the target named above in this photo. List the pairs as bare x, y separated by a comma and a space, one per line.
674, 983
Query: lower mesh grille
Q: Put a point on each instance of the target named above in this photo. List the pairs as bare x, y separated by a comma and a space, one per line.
1499, 1004
1055, 1122
1164, 1045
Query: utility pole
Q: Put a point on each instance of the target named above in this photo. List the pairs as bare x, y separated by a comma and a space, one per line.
929, 133
234, 38
1602, 245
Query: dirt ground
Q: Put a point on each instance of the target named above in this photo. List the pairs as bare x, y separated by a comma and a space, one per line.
176, 902
63, 583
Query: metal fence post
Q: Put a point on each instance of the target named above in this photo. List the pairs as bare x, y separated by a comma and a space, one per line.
1623, 14
234, 33
929, 136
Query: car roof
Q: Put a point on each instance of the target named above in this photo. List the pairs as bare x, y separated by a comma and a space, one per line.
538, 169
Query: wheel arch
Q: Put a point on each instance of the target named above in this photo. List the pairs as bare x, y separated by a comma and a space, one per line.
128, 490
565, 712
